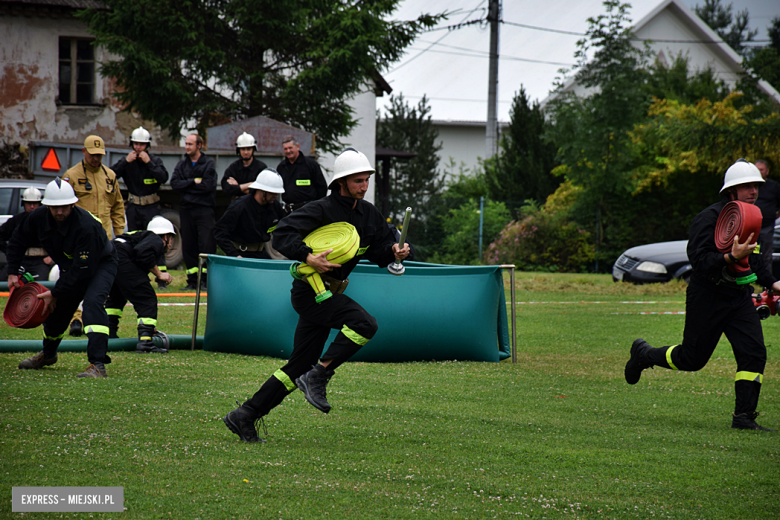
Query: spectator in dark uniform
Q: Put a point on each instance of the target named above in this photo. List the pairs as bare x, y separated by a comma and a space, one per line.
195, 178
143, 174
240, 174
36, 261
769, 203
245, 229
302, 176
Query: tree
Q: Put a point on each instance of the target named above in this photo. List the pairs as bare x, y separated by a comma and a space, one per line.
211, 60
592, 131
733, 29
461, 231
765, 62
703, 138
523, 168
677, 82
415, 182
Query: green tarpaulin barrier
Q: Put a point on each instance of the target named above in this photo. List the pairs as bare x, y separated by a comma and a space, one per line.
431, 312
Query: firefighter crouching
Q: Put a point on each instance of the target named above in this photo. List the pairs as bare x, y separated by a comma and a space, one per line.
139, 253
77, 242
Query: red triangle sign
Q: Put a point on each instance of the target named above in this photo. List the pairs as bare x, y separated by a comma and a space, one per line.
51, 163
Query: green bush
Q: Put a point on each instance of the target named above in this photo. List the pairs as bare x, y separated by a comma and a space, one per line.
461, 231
542, 242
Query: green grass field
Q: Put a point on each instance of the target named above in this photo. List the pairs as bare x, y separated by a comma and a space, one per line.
557, 435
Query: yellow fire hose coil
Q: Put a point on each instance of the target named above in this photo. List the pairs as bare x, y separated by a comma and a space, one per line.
342, 238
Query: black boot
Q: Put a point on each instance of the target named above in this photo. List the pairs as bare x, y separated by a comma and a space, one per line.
241, 421
747, 421
638, 361
76, 328
313, 384
113, 327
145, 344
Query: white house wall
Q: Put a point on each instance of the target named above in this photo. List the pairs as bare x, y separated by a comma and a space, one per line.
362, 137
667, 25
463, 143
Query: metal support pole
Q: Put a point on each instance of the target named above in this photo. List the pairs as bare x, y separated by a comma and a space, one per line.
201, 257
511, 268
491, 131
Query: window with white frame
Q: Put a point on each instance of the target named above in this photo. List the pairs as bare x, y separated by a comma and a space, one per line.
77, 71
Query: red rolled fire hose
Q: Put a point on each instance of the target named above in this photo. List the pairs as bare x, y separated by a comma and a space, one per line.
24, 309
738, 219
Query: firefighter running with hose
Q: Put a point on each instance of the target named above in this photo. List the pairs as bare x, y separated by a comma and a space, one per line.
344, 205
76, 241
140, 253
716, 304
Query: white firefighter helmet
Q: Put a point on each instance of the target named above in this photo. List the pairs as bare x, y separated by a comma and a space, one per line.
741, 172
54, 274
350, 162
161, 226
268, 180
245, 140
140, 135
59, 193
31, 194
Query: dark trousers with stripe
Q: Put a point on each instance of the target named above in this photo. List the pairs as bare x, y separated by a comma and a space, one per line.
132, 283
197, 236
315, 321
708, 315
766, 238
93, 292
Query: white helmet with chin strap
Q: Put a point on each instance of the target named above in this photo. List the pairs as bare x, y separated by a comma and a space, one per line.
140, 135
349, 163
31, 194
59, 193
160, 226
245, 140
741, 172
268, 180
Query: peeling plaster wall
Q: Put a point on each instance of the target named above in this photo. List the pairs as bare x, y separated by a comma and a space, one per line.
29, 67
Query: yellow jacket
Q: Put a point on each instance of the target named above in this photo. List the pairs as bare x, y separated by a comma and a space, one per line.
104, 200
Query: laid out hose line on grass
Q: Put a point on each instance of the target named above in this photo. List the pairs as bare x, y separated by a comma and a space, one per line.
175, 342
24, 309
738, 219
342, 238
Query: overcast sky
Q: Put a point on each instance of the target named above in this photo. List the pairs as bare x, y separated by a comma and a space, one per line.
450, 66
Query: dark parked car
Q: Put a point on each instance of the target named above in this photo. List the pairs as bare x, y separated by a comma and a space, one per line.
666, 261
650, 263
